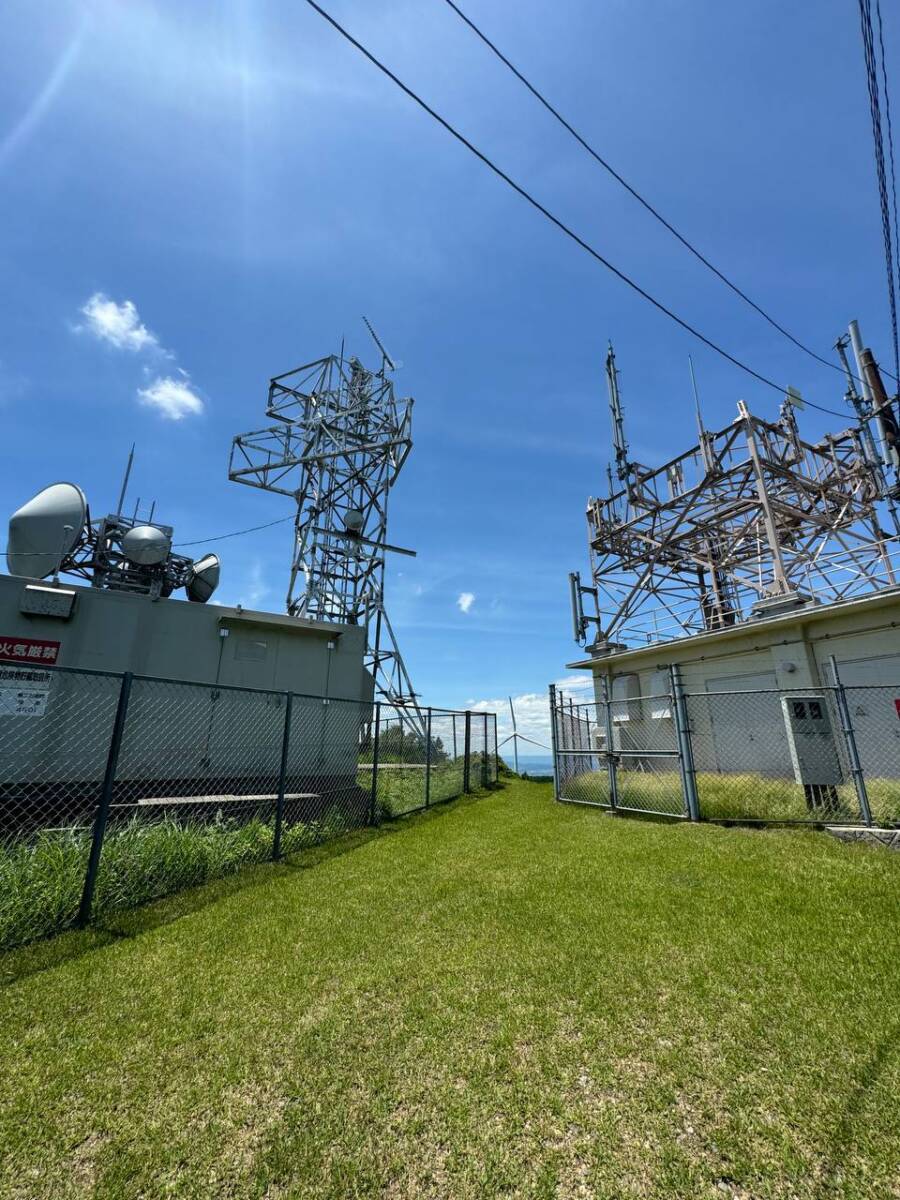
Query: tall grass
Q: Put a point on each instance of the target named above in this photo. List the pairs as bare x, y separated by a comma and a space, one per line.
746, 797
40, 885
41, 881
403, 791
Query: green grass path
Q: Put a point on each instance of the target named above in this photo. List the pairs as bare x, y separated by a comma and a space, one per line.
502, 997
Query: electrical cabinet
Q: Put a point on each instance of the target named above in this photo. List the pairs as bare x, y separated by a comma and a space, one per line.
811, 740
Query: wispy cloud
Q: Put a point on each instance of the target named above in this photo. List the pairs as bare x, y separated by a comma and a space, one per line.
173, 398
532, 713
464, 601
116, 324
578, 687
119, 324
257, 588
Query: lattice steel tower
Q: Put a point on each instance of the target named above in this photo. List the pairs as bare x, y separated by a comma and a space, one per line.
751, 521
342, 439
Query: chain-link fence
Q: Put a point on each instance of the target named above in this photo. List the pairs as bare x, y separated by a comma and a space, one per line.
432, 754
822, 754
119, 789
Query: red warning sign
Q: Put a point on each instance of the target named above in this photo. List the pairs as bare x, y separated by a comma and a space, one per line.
29, 650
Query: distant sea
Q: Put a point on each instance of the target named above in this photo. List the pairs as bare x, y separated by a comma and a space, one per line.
532, 765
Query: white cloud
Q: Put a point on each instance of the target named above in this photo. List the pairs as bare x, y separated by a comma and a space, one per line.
464, 601
532, 713
532, 720
118, 324
579, 687
172, 398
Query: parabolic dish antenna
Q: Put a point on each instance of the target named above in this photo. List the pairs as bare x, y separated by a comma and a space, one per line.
45, 529
203, 579
146, 545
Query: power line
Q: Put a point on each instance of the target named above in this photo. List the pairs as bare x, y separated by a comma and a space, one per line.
865, 17
890, 141
221, 537
569, 232
237, 533
634, 192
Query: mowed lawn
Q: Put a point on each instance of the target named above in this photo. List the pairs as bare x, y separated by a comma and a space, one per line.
502, 997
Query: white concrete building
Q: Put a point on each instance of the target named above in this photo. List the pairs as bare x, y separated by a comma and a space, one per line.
766, 660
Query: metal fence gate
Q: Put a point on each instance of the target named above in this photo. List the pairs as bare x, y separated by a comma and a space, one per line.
821, 754
606, 757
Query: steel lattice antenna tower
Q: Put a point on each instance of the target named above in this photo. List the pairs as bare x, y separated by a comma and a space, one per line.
342, 440
752, 521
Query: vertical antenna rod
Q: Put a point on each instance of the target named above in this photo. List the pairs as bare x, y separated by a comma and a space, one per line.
121, 503
618, 423
700, 427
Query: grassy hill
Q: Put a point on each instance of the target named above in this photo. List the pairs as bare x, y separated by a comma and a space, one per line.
502, 997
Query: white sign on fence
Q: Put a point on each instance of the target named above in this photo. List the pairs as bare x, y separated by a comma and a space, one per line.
23, 692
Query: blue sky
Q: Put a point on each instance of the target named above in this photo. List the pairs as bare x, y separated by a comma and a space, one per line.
251, 185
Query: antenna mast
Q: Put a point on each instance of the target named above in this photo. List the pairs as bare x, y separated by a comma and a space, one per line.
342, 439
618, 423
752, 520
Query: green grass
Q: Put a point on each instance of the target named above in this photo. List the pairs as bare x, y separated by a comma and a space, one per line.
503, 997
41, 881
738, 797
403, 790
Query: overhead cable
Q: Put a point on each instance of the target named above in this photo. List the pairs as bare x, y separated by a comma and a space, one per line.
554, 220
595, 154
221, 537
865, 17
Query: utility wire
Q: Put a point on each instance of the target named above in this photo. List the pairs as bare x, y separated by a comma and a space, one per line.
570, 233
199, 542
865, 17
890, 141
237, 533
633, 191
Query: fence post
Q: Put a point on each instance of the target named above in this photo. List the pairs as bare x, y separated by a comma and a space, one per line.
553, 747
428, 757
859, 778
610, 747
109, 779
496, 753
467, 762
282, 775
373, 801
685, 749
485, 779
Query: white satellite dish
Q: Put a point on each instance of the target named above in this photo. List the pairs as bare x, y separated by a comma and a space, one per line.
45, 529
146, 545
203, 579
